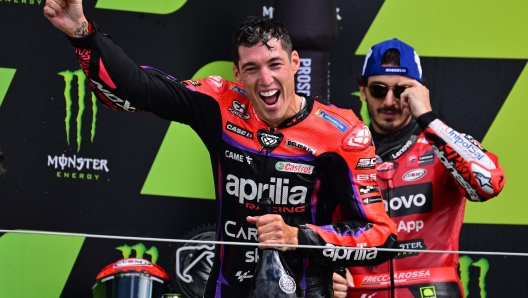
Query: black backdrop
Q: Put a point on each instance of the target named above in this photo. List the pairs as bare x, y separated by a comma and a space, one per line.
33, 133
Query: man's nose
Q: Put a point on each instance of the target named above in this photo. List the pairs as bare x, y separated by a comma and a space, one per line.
390, 99
266, 77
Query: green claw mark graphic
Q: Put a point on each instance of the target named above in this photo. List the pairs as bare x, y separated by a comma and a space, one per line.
81, 93
152, 6
140, 250
483, 264
6, 76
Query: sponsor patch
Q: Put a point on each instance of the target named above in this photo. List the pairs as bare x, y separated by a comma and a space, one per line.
426, 159
332, 120
414, 244
366, 163
368, 189
195, 83
428, 292
284, 166
371, 200
414, 175
239, 90
132, 262
422, 140
239, 130
239, 109
294, 144
359, 139
366, 177
410, 199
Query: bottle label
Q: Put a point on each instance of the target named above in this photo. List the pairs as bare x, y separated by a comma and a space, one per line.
287, 284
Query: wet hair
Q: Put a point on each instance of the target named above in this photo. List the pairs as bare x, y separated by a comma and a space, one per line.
259, 29
2, 170
391, 56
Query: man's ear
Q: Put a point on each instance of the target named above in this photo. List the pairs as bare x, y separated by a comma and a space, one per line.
296, 61
363, 92
236, 73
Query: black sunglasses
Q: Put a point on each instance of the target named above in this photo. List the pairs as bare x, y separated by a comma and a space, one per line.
379, 91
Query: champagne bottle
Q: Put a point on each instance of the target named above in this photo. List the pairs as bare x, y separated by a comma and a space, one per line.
273, 278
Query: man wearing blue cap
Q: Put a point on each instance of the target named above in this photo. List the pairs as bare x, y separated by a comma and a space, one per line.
425, 171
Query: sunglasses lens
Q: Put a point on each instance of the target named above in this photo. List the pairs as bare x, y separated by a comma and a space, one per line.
398, 90
378, 91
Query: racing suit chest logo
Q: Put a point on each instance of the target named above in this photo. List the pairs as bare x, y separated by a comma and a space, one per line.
411, 199
279, 189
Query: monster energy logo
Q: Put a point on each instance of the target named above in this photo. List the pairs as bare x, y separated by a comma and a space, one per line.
140, 250
81, 92
483, 264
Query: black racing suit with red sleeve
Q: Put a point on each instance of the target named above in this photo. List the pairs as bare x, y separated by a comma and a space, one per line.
425, 172
318, 167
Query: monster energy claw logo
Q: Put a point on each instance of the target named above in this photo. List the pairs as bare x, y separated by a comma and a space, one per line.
81, 92
140, 250
465, 262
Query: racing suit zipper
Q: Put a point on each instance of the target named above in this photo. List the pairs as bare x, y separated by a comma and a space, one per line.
390, 192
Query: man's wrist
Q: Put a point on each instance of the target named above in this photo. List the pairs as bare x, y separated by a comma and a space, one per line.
295, 238
82, 29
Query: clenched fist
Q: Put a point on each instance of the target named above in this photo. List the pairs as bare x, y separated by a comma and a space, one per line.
67, 16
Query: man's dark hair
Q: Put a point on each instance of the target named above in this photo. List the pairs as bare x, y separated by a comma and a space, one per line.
256, 29
2, 170
391, 56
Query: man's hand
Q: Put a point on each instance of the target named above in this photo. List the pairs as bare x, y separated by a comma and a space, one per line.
340, 285
67, 16
416, 97
273, 230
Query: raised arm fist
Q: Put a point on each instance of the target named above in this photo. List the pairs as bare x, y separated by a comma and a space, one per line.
67, 16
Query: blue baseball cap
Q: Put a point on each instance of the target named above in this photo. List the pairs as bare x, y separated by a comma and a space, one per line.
409, 61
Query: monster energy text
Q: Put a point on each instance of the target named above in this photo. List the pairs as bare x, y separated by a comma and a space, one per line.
77, 163
24, 1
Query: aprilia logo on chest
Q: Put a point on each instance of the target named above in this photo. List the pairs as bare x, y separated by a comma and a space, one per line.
279, 190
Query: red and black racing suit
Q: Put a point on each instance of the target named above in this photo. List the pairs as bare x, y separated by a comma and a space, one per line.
425, 172
316, 175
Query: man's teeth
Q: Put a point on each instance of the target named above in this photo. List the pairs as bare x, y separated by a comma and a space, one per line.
269, 93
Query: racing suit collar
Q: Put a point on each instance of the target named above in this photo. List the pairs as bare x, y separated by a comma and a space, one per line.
392, 146
301, 115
